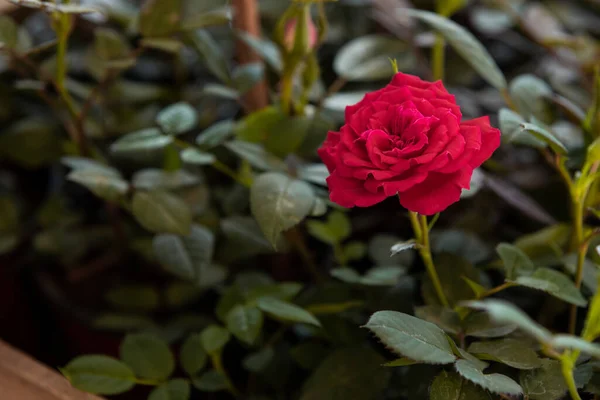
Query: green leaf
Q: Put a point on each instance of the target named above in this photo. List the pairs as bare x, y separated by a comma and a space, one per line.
176, 389
321, 123
530, 95
542, 134
479, 324
148, 356
134, 297
478, 290
504, 312
256, 155
258, 126
211, 381
449, 7
352, 373
460, 243
314, 173
162, 212
30, 142
334, 230
158, 179
258, 361
104, 185
510, 125
82, 163
221, 91
411, 337
219, 16
516, 262
246, 76
590, 271
265, 48
284, 311
214, 338
197, 157
192, 355
245, 323
279, 202
452, 270
186, 256
212, 53
177, 118
450, 386
333, 308
400, 362
339, 223
495, 383
99, 374
367, 58
145, 140
9, 32
164, 44
282, 291
296, 129
573, 342
320, 230
465, 44
121, 322
354, 250
545, 383
512, 352
216, 134
378, 276
444, 317
110, 45
555, 283
159, 18
180, 294
244, 234
402, 246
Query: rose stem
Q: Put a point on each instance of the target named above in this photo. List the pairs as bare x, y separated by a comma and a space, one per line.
578, 242
421, 229
437, 51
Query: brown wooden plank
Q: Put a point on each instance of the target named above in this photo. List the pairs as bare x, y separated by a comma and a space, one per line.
23, 378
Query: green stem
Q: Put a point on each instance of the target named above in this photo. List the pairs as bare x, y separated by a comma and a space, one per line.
287, 86
567, 365
508, 100
218, 165
421, 230
414, 220
497, 289
437, 57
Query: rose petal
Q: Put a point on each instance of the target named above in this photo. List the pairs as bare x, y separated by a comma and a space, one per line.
350, 192
436, 193
490, 140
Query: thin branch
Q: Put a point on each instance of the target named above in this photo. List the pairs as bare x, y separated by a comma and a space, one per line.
246, 19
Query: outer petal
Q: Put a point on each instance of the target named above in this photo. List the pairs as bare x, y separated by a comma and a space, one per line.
328, 150
490, 140
348, 192
368, 99
436, 193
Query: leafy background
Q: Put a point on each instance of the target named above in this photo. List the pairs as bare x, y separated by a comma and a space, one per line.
165, 230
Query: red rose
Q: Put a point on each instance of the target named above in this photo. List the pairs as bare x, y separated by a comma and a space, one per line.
406, 139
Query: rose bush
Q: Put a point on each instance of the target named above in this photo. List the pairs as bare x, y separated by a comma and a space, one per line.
406, 139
